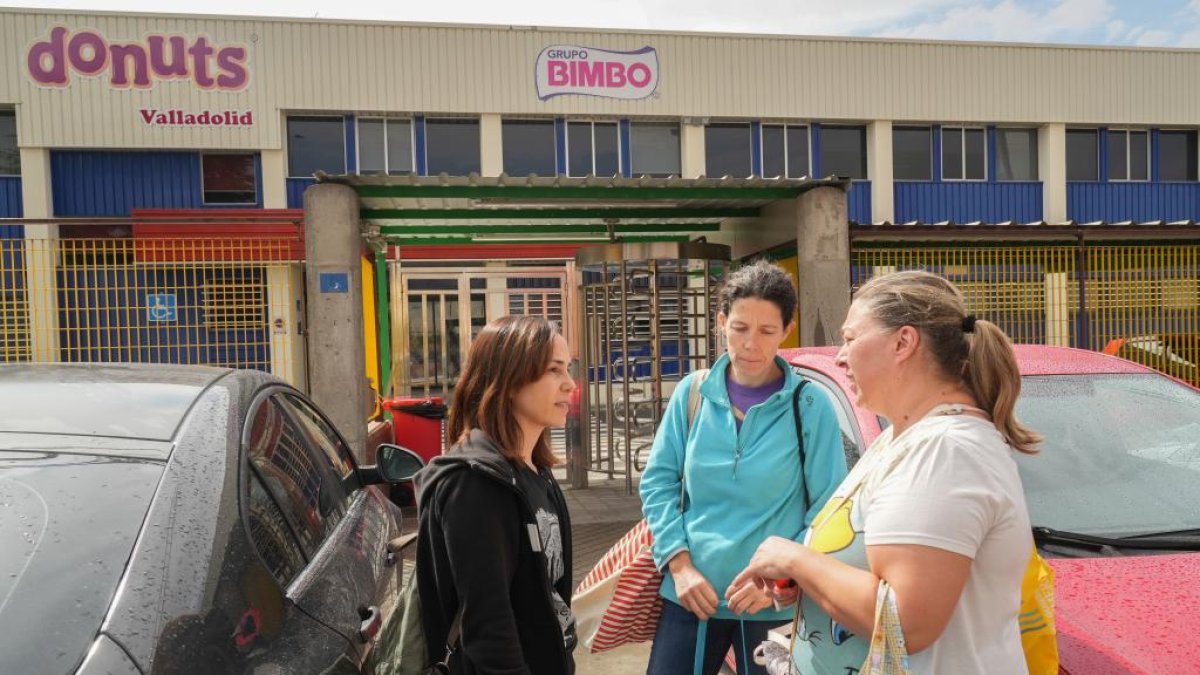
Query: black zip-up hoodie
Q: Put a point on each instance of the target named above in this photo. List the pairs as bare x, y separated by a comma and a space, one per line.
474, 546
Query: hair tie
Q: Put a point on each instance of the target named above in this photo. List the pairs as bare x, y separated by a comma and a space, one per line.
968, 323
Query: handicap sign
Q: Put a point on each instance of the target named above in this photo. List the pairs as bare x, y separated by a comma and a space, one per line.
161, 307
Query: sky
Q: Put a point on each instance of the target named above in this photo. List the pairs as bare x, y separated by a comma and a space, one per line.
1155, 23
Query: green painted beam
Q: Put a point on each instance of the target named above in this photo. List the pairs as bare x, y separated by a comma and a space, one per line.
598, 192
383, 316
548, 213
548, 229
429, 241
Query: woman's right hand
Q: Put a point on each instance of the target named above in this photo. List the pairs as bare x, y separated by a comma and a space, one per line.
695, 593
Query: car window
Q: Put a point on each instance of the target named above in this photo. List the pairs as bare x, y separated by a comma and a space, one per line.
279, 454
1121, 455
271, 534
851, 438
330, 445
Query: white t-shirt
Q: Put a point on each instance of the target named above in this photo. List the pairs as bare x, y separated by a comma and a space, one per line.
954, 487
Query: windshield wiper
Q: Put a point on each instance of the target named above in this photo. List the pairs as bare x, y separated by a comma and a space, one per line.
1192, 532
1046, 535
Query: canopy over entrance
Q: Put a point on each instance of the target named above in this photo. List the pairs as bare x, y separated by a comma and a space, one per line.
443, 210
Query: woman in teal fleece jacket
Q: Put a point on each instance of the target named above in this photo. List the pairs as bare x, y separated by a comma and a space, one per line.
741, 465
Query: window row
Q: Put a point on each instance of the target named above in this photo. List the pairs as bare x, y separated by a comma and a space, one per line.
10, 155
571, 147
1131, 155
961, 153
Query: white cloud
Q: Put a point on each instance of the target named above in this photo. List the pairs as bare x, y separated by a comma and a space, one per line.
1154, 38
1012, 21
1117, 29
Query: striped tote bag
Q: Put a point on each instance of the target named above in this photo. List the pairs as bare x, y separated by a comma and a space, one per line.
618, 601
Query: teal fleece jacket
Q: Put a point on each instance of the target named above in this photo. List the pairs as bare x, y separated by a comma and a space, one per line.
729, 512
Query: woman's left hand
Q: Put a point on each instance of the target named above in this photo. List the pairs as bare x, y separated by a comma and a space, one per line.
773, 560
747, 598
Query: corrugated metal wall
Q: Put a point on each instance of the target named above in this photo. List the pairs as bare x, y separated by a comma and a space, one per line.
295, 191
10, 205
114, 183
966, 201
311, 65
859, 201
1133, 201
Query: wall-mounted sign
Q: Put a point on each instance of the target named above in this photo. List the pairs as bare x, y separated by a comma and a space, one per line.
136, 65
161, 307
175, 117
588, 71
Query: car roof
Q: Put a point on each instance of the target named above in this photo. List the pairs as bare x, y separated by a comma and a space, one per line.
1031, 359
143, 401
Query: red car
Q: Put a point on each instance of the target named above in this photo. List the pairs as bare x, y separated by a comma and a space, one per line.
1114, 498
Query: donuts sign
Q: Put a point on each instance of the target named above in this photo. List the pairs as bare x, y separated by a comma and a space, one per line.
588, 71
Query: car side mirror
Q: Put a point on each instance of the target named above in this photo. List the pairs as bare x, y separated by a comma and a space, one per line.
396, 463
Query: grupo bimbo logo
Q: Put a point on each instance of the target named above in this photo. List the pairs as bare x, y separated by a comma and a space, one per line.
54, 61
588, 71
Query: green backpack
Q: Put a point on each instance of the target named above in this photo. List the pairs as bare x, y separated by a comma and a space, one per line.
406, 635
412, 653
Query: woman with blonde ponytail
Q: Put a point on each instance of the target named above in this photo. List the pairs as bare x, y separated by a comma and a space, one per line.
930, 528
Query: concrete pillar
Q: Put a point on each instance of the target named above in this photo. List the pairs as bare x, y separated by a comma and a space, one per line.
285, 301
823, 260
1052, 170
336, 354
41, 259
491, 145
691, 149
879, 170
274, 179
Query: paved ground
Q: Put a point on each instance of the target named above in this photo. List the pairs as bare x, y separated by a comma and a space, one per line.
600, 515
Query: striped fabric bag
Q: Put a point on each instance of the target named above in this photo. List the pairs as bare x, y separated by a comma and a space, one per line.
618, 601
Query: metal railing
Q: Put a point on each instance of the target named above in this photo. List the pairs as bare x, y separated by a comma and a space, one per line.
232, 301
1134, 299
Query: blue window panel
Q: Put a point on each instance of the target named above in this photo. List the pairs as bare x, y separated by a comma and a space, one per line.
1119, 201
814, 150
756, 163
625, 141
964, 202
990, 170
102, 317
86, 183
351, 131
295, 191
859, 201
560, 146
422, 167
10, 206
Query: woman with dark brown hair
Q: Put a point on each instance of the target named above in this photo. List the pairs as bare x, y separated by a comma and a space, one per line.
494, 545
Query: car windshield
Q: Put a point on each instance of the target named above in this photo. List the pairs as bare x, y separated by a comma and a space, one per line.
67, 523
1121, 457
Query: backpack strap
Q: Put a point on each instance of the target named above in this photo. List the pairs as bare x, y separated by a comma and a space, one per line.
694, 398
800, 436
452, 640
693, 406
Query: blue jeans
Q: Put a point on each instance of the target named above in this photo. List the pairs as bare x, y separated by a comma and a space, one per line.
674, 649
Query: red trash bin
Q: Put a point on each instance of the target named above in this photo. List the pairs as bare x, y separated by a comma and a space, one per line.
417, 424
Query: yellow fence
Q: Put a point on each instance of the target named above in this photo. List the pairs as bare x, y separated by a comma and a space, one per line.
1138, 301
227, 301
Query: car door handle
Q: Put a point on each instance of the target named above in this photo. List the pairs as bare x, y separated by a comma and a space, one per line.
371, 622
395, 546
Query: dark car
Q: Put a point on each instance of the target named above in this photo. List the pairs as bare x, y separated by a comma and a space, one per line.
172, 519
